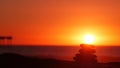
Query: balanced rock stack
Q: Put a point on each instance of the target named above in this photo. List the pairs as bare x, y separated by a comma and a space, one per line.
86, 56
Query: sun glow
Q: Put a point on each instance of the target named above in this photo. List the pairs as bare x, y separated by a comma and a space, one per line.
88, 39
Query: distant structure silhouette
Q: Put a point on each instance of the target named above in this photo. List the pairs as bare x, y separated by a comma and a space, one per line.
6, 40
2, 40
9, 40
86, 57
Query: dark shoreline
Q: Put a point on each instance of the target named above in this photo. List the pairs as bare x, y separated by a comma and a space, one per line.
12, 60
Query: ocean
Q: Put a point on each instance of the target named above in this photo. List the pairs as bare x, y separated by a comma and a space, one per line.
68, 52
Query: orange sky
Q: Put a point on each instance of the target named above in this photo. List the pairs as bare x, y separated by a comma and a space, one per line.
60, 21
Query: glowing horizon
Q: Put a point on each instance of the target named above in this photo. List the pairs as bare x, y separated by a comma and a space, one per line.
59, 22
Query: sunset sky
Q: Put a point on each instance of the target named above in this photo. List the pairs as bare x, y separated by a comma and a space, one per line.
60, 22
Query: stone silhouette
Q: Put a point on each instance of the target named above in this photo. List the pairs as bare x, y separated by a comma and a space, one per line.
86, 57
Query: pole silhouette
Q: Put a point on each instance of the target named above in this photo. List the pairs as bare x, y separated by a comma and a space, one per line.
9, 40
2, 40
6, 40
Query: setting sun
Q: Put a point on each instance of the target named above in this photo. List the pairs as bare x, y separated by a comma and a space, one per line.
88, 39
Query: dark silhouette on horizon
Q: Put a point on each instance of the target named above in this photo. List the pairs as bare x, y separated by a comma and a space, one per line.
2, 40
86, 57
6, 40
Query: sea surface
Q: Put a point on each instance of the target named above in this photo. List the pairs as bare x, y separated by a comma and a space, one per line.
58, 51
